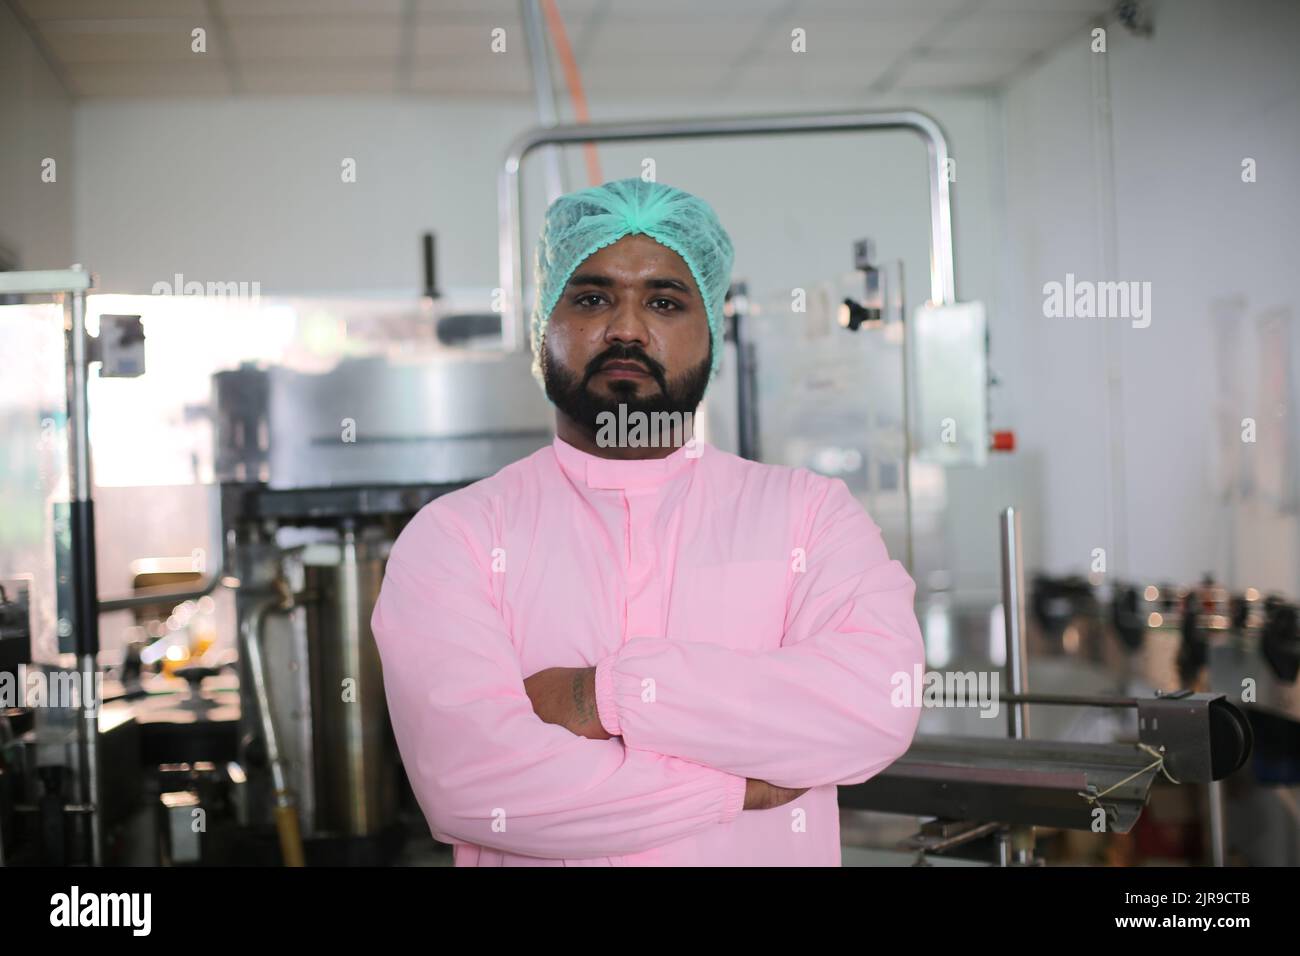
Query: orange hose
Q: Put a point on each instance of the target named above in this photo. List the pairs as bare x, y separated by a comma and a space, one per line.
574, 81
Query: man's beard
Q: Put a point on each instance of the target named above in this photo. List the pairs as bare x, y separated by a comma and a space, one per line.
573, 395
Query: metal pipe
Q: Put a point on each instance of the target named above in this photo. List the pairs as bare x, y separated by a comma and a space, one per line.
81, 510
747, 423
72, 285
539, 59
286, 811
4, 743
349, 598
1218, 824
514, 330
955, 840
78, 371
253, 628
1013, 615
171, 593
90, 730
1071, 700
1112, 383
161, 595
909, 556
46, 282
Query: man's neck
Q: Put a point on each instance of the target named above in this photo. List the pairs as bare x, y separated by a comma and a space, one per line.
573, 434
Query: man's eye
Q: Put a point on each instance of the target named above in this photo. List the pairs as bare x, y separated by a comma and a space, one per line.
669, 301
586, 295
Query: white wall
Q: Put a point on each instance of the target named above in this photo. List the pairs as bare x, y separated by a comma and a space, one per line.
36, 217
250, 190
1217, 82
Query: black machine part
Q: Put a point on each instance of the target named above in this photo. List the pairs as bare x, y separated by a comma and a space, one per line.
1280, 639
1203, 736
1194, 738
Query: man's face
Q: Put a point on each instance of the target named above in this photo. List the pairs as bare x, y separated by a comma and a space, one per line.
633, 303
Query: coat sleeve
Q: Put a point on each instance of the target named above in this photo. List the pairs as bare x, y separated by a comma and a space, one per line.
823, 708
484, 767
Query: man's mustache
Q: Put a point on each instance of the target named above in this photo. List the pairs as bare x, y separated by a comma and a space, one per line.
625, 355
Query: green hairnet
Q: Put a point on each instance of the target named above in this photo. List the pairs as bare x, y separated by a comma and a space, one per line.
579, 223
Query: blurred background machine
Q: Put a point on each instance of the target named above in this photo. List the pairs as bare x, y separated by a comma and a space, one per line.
242, 716
319, 473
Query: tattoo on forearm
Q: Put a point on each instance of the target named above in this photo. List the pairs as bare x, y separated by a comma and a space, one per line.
583, 702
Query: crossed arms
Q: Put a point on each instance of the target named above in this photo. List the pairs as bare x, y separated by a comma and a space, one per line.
567, 696
574, 763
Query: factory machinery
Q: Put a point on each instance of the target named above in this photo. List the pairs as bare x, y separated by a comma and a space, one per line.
277, 749
1222, 691
274, 746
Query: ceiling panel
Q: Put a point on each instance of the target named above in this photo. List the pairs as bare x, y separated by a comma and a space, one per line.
847, 36
646, 43
633, 47
934, 73
354, 76
1046, 6
319, 37
106, 10
821, 76
148, 40
454, 79
668, 74
496, 11
868, 9
1026, 32
200, 78
735, 11
439, 41
309, 9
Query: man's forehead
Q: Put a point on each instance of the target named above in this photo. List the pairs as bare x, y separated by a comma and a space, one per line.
637, 250
647, 263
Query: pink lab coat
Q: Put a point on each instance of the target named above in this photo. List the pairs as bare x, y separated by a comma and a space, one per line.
744, 620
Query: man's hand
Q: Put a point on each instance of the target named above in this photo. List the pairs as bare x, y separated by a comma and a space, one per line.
567, 696
761, 795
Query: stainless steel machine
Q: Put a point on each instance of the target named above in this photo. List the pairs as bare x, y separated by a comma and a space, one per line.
280, 749
341, 460
988, 795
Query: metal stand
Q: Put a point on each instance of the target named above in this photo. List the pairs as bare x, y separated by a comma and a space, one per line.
514, 328
72, 284
1015, 844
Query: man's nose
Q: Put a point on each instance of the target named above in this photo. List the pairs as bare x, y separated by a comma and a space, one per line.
626, 324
